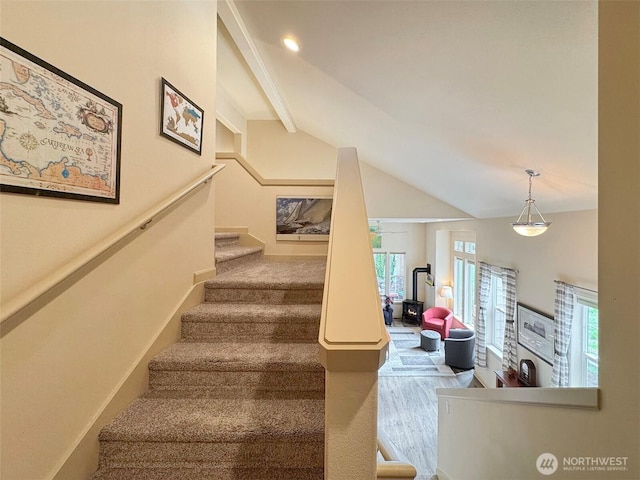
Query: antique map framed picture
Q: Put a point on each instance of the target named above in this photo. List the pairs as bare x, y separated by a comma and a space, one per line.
182, 120
59, 137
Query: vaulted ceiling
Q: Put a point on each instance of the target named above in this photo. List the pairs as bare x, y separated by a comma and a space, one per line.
456, 98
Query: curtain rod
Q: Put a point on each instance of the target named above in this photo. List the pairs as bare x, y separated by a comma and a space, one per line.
576, 286
504, 268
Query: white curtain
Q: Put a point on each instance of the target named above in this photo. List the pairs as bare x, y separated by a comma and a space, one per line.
484, 285
562, 331
509, 349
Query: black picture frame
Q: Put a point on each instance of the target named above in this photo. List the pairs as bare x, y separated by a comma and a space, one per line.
181, 120
59, 136
536, 332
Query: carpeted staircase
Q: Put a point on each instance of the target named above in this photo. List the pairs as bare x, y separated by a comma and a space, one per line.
230, 254
241, 396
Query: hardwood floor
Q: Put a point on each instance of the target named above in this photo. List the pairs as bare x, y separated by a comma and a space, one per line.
408, 414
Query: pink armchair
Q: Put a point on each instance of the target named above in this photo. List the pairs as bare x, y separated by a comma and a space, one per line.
438, 319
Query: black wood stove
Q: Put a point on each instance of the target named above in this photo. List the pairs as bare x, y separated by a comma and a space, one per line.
412, 309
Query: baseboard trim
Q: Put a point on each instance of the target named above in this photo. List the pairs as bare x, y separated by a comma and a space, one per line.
82, 458
477, 377
204, 275
441, 475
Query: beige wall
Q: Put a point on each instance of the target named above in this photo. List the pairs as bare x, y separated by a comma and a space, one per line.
61, 365
510, 451
275, 153
278, 155
568, 251
242, 202
225, 139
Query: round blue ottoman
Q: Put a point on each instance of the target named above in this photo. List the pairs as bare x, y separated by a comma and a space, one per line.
429, 340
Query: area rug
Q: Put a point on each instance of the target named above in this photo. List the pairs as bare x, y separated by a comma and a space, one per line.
407, 359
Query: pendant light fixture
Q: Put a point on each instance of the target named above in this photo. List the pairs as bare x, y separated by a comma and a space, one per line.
525, 225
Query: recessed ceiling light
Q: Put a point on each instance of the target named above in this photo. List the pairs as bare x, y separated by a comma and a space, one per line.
291, 44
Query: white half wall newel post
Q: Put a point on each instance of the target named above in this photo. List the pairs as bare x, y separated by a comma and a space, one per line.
353, 339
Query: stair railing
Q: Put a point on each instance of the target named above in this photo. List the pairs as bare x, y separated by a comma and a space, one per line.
273, 182
394, 464
353, 340
26, 303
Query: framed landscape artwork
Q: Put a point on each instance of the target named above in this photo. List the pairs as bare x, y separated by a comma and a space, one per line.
536, 332
182, 120
303, 218
59, 137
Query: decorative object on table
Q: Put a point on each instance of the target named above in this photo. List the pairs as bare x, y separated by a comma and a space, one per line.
303, 218
59, 137
459, 348
527, 373
512, 372
438, 319
536, 332
181, 119
527, 226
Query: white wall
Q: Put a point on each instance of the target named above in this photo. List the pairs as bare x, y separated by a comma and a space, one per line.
409, 239
62, 364
391, 198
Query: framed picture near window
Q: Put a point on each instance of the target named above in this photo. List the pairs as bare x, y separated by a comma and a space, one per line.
536, 332
181, 119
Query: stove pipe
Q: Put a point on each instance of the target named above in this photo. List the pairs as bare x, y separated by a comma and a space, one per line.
416, 271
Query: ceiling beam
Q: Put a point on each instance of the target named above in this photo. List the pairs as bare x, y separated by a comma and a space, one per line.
228, 13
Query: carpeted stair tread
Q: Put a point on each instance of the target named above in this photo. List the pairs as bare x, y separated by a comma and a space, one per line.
238, 357
224, 254
227, 235
226, 239
302, 274
218, 420
217, 473
232, 392
253, 313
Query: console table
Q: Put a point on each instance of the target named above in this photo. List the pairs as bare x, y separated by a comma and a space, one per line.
504, 380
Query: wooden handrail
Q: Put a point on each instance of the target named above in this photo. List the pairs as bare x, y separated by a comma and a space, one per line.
37, 290
395, 464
